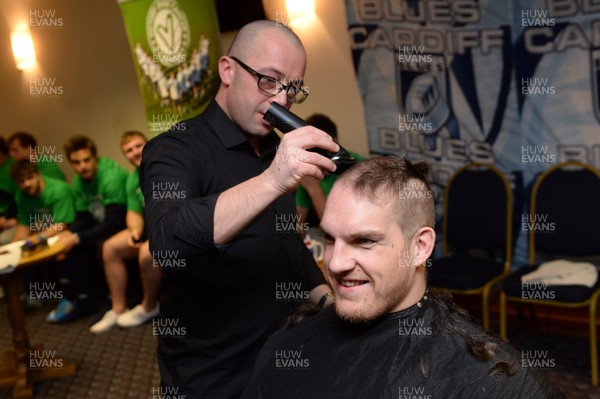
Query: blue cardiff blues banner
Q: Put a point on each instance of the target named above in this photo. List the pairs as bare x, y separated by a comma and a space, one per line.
511, 83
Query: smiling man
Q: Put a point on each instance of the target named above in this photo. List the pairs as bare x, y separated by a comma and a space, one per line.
387, 336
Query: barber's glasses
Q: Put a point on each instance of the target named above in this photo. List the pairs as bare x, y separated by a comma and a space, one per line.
272, 86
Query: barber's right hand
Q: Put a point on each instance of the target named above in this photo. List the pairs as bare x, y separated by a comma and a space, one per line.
293, 161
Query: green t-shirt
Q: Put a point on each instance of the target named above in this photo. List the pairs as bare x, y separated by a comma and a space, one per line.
56, 204
51, 169
135, 198
107, 188
302, 196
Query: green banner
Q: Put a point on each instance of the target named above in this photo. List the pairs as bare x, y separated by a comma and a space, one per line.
176, 47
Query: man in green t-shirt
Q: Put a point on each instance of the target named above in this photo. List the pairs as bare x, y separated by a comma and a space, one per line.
45, 206
311, 193
23, 146
100, 205
127, 244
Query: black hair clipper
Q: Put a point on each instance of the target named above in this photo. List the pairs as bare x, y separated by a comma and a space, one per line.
286, 121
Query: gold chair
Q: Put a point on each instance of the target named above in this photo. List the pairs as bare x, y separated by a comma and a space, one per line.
563, 223
477, 234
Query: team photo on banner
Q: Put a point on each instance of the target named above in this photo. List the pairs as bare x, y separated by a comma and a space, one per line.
175, 46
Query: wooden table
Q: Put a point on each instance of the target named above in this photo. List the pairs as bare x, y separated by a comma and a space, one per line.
16, 368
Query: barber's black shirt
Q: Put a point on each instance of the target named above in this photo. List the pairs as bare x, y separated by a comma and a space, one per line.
404, 355
218, 304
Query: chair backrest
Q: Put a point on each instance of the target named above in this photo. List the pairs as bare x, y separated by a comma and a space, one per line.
478, 210
565, 212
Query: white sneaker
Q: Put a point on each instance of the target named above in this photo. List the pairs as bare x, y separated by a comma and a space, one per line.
136, 316
108, 321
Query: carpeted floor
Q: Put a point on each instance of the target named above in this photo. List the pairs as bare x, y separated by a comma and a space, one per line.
566, 360
122, 363
118, 364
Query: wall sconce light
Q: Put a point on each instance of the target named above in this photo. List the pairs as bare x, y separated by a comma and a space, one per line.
297, 9
22, 47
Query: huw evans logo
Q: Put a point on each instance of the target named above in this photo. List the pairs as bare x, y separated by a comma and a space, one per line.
537, 223
168, 32
41, 154
45, 87
290, 360
39, 222
537, 359
537, 290
289, 223
43, 359
537, 87
537, 155
168, 191
414, 123
290, 291
414, 55
44, 19
169, 328
168, 259
161, 122
44, 291
413, 327
536, 19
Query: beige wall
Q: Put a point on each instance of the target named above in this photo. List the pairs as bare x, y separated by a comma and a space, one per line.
88, 58
330, 74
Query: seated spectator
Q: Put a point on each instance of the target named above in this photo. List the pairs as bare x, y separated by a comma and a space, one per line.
45, 208
8, 188
23, 146
311, 193
387, 336
127, 244
100, 206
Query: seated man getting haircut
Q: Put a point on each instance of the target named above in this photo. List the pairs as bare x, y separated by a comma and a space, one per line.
387, 336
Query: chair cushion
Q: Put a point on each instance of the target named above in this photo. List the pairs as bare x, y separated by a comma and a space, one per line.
462, 273
560, 293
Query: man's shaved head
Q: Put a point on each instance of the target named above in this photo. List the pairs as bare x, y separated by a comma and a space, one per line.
249, 37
